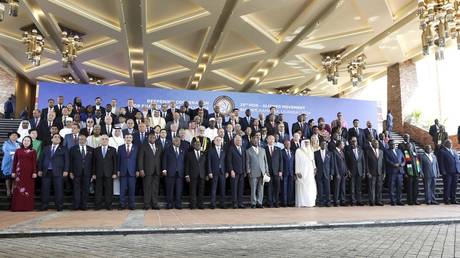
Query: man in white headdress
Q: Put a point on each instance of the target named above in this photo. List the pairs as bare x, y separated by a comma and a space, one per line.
116, 140
305, 186
23, 129
67, 127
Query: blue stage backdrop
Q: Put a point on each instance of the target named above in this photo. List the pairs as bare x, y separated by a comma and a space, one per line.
290, 106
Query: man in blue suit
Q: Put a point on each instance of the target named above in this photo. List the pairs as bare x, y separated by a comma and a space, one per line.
53, 167
288, 174
357, 132
395, 169
71, 139
217, 172
236, 165
173, 169
449, 165
323, 161
430, 171
127, 171
141, 136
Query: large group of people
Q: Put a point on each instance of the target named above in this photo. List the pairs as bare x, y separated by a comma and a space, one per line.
111, 150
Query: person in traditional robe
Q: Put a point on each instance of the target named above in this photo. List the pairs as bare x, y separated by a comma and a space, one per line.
305, 186
115, 141
23, 129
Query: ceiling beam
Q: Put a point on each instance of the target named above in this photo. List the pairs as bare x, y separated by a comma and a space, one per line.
49, 27
267, 67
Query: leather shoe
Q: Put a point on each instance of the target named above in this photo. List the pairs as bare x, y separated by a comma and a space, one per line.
259, 206
253, 206
156, 207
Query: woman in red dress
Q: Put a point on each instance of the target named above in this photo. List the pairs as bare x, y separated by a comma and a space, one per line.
24, 173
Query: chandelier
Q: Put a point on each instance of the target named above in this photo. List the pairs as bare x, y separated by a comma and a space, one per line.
439, 21
331, 67
68, 79
11, 5
71, 46
355, 69
34, 46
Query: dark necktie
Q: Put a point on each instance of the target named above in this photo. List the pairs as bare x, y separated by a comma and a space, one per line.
82, 152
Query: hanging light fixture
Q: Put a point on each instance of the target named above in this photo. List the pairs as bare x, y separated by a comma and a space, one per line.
34, 46
68, 78
439, 21
12, 6
331, 67
72, 43
355, 69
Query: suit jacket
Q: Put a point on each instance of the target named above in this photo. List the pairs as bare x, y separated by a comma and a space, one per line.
288, 163
131, 115
375, 166
433, 131
236, 161
101, 108
429, 168
184, 145
44, 113
271, 129
373, 132
216, 163
169, 114
180, 123
448, 163
391, 160
105, 166
274, 161
33, 124
323, 168
339, 164
60, 160
256, 163
127, 164
126, 131
79, 165
85, 131
244, 122
355, 165
105, 131
69, 141
172, 163
205, 113
306, 130
137, 138
195, 168
166, 143
148, 161
361, 136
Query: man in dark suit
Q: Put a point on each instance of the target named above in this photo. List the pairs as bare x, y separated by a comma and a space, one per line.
375, 168
302, 126
217, 172
369, 131
127, 171
173, 169
449, 166
236, 165
412, 171
357, 132
275, 167
216, 114
98, 105
323, 161
35, 120
430, 169
131, 110
247, 120
162, 141
434, 130
195, 174
45, 125
130, 129
107, 126
105, 170
199, 108
140, 137
53, 167
51, 107
171, 110
81, 170
340, 169
88, 131
356, 165
271, 125
149, 164
288, 174
394, 163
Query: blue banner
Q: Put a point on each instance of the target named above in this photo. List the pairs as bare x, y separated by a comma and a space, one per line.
290, 106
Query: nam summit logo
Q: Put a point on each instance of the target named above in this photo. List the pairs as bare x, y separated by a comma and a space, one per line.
225, 103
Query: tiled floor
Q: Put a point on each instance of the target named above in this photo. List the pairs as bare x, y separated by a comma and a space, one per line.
202, 218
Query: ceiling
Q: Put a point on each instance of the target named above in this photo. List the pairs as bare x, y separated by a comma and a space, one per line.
239, 45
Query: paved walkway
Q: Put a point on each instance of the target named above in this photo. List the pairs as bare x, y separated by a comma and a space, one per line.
24, 222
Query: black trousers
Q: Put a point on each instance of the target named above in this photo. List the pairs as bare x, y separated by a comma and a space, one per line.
81, 185
104, 192
57, 182
323, 184
274, 190
237, 184
151, 185
355, 188
412, 189
174, 188
375, 188
196, 186
218, 181
339, 189
450, 187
